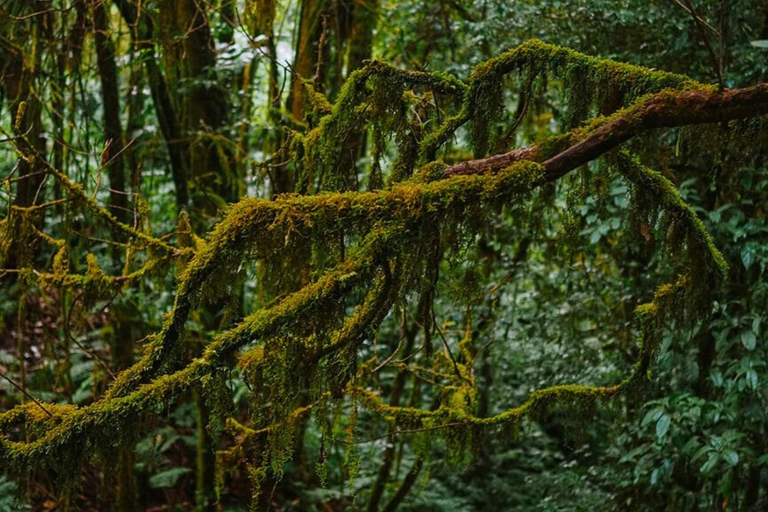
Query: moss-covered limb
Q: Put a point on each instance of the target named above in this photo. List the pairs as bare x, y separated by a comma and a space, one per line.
699, 243
77, 193
636, 79
65, 441
667, 109
367, 317
689, 244
273, 368
249, 222
481, 100
453, 413
261, 324
77, 432
381, 88
80, 431
664, 110
447, 417
94, 283
256, 227
374, 91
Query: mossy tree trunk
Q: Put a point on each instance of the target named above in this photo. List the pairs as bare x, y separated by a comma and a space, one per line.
142, 33
398, 387
190, 54
114, 158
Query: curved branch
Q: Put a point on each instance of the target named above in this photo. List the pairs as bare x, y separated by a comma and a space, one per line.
663, 110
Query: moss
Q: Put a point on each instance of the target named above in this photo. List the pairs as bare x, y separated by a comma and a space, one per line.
368, 250
371, 95
132, 397
582, 75
690, 248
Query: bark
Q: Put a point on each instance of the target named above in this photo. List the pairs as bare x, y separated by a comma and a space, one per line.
305, 63
142, 33
113, 156
405, 488
663, 110
190, 52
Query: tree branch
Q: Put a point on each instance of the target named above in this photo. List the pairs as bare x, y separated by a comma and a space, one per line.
662, 110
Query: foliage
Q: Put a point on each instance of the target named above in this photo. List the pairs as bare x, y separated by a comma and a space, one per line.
237, 281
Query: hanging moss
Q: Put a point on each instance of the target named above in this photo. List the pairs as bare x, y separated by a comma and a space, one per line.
364, 252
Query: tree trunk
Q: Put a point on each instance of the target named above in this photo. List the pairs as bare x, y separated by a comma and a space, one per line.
142, 34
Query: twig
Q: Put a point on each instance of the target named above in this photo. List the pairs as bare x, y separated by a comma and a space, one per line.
25, 393
703, 33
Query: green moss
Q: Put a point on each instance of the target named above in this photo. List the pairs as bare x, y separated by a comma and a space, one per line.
369, 249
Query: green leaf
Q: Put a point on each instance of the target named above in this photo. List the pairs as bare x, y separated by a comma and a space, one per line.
651, 416
760, 43
711, 463
752, 378
167, 478
748, 256
700, 453
662, 426
749, 340
731, 457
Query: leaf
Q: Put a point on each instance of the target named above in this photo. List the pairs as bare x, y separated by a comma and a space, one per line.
167, 478
760, 43
748, 256
711, 463
700, 453
752, 378
662, 426
731, 457
652, 415
749, 340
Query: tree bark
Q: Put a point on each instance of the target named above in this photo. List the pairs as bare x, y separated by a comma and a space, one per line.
113, 157
142, 34
663, 110
190, 52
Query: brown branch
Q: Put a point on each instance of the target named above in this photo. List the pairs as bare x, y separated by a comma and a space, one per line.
492, 163
663, 110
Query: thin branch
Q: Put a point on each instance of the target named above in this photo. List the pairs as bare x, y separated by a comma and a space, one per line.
23, 392
703, 33
447, 348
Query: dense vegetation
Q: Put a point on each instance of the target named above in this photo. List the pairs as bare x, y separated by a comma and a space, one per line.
366, 255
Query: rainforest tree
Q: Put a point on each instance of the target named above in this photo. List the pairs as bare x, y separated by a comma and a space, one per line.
245, 263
